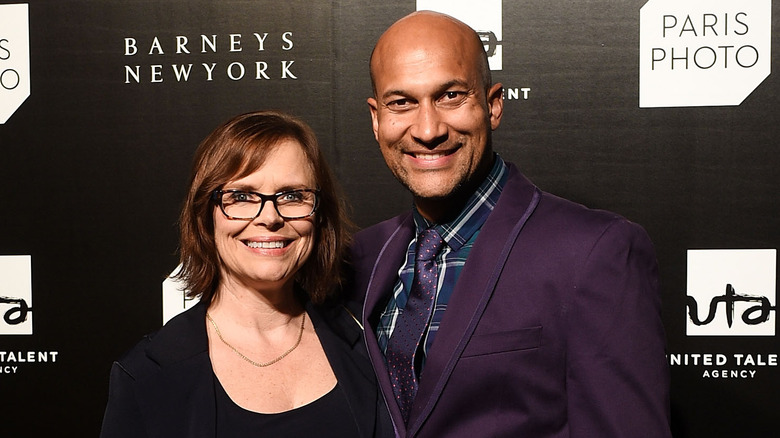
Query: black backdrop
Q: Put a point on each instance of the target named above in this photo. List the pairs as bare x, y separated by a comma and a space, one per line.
93, 168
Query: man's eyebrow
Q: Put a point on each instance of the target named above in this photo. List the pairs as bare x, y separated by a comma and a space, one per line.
394, 93
440, 89
454, 83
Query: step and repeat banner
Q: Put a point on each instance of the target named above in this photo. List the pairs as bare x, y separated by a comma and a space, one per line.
665, 111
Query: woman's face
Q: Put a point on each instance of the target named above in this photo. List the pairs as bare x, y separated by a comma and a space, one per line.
266, 252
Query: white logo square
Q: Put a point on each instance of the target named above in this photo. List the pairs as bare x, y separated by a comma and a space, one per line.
16, 295
731, 292
14, 58
483, 16
703, 52
174, 298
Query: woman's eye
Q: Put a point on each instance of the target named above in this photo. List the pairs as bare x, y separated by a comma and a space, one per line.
291, 197
241, 197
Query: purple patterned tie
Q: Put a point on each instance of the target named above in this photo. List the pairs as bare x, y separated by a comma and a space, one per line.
411, 323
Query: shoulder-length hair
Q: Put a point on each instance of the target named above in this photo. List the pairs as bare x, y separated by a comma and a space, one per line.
234, 150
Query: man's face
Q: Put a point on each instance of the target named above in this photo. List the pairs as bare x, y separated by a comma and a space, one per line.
432, 116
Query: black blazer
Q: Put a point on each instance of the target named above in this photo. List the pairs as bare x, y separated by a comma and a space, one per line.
164, 386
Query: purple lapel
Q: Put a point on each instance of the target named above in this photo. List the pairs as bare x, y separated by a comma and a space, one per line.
383, 276
473, 290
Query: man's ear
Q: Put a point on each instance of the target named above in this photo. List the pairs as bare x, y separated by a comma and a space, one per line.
495, 100
372, 105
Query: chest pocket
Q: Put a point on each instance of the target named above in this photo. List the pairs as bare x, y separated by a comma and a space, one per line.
502, 342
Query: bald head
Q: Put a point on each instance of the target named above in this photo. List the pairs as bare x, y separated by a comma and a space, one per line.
434, 109
425, 32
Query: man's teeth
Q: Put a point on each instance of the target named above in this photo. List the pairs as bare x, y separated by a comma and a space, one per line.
428, 156
266, 245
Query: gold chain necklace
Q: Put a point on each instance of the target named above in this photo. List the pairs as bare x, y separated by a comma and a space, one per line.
258, 364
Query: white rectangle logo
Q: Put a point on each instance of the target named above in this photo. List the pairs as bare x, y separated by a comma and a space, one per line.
483, 16
14, 58
174, 296
16, 295
703, 52
731, 292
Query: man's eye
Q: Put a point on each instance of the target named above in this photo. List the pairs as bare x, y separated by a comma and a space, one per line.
398, 103
452, 96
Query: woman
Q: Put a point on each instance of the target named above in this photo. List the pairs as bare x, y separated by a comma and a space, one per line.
262, 240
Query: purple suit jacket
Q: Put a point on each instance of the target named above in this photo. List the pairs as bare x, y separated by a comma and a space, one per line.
553, 329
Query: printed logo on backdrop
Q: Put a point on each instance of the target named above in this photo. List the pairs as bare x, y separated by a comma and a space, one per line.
16, 310
195, 57
483, 16
14, 59
173, 296
486, 18
703, 52
16, 295
731, 292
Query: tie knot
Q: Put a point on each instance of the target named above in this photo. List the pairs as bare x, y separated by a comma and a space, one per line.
429, 243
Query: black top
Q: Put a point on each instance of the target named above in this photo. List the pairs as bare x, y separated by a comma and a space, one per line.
164, 387
328, 416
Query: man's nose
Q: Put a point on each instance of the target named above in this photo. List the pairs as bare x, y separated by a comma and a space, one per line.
429, 129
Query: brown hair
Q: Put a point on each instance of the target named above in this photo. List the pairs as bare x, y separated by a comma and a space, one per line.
234, 150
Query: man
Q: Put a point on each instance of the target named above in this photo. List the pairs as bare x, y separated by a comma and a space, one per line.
530, 316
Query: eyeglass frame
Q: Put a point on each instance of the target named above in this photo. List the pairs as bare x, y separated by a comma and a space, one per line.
216, 196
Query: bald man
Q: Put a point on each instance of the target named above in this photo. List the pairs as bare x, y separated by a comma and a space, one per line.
493, 309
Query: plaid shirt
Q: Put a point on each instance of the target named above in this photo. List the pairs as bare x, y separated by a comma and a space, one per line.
459, 236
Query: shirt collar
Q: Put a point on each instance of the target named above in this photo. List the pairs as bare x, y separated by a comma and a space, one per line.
474, 213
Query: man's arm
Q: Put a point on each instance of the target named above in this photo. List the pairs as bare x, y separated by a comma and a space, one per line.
617, 374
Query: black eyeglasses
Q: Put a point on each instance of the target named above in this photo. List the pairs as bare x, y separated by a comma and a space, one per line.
244, 205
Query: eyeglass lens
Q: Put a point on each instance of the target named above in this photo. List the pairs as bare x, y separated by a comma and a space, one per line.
248, 205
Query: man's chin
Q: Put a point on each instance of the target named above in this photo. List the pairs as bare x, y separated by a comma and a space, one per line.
433, 193
445, 201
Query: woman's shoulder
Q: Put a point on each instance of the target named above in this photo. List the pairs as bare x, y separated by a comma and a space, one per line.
134, 362
183, 337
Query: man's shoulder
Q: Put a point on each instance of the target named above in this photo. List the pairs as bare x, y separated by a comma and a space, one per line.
554, 204
377, 233
574, 221
567, 219
550, 207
